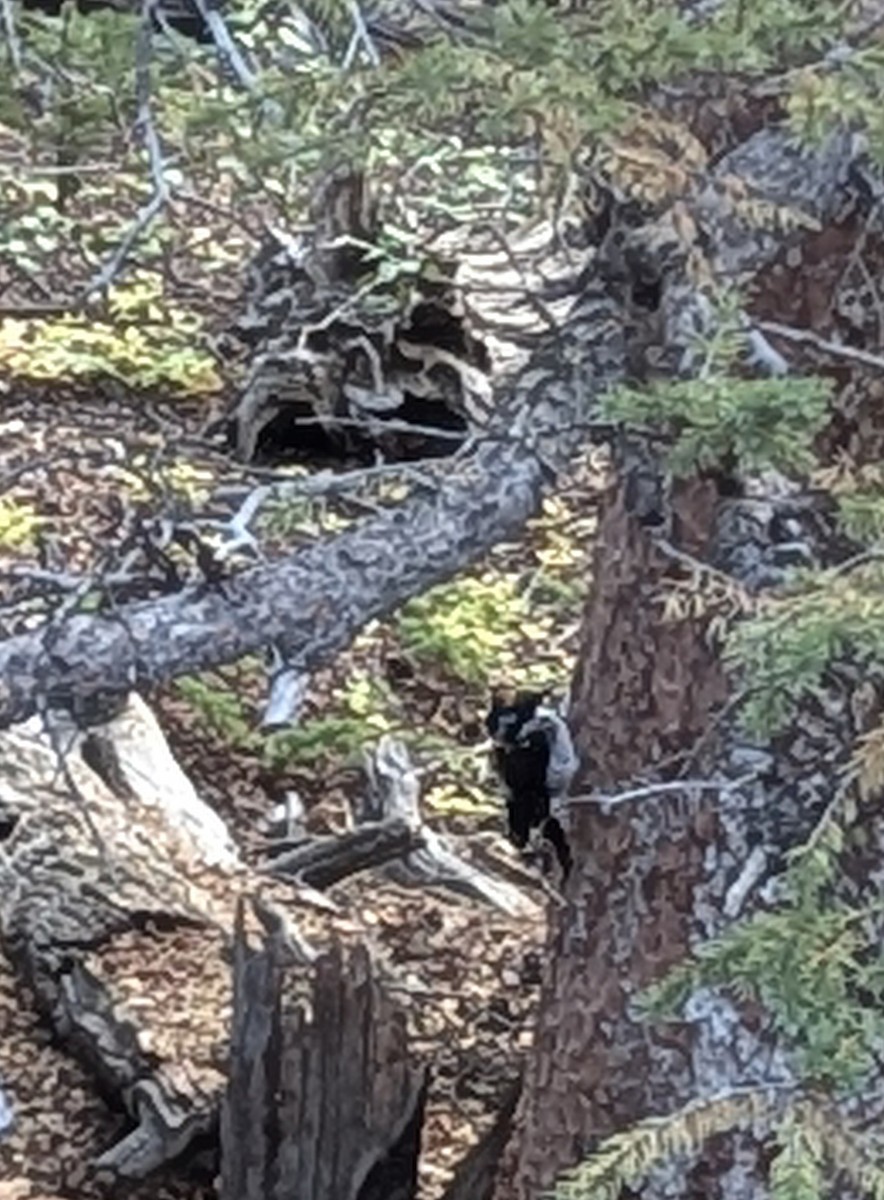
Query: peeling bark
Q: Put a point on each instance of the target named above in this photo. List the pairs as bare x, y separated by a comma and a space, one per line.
654, 876
540, 416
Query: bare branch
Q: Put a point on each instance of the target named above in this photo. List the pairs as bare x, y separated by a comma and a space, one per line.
807, 337
659, 789
147, 214
360, 34
145, 128
312, 603
228, 51
7, 22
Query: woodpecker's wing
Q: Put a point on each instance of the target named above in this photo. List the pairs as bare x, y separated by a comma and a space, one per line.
563, 760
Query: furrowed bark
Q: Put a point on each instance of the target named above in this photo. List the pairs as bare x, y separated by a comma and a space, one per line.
661, 874
325, 1105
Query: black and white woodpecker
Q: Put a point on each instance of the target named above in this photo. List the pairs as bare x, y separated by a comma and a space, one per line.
535, 759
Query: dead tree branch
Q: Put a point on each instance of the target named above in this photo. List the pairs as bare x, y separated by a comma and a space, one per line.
320, 862
312, 603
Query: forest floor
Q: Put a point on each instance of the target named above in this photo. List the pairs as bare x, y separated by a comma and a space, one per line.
75, 473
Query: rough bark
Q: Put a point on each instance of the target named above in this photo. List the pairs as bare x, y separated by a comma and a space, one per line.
118, 893
540, 415
312, 603
660, 874
108, 838
661, 677
326, 1105
118, 890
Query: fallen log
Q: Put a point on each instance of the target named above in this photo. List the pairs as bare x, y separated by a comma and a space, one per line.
322, 861
393, 794
391, 835
455, 513
118, 889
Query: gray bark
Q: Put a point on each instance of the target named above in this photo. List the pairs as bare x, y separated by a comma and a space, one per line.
540, 416
109, 837
324, 1099
393, 793
312, 603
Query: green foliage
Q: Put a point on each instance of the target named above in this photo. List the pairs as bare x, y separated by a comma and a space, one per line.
808, 963
300, 516
785, 650
317, 740
362, 718
861, 516
823, 100
531, 75
796, 1171
336, 736
145, 343
465, 625
761, 423
219, 708
622, 1159
717, 420
813, 1146
18, 525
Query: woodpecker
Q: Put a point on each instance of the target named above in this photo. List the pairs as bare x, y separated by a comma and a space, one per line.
534, 757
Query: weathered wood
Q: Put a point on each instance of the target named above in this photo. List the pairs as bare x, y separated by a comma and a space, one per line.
108, 837
541, 414
454, 513
393, 793
322, 861
318, 1101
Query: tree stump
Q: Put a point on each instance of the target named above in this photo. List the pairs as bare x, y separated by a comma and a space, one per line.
323, 1099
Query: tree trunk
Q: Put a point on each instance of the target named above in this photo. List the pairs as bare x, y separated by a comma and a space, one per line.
119, 891
663, 872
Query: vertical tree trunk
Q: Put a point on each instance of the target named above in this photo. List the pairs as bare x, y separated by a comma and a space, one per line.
660, 873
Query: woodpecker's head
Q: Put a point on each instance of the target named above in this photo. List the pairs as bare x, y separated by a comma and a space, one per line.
510, 711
